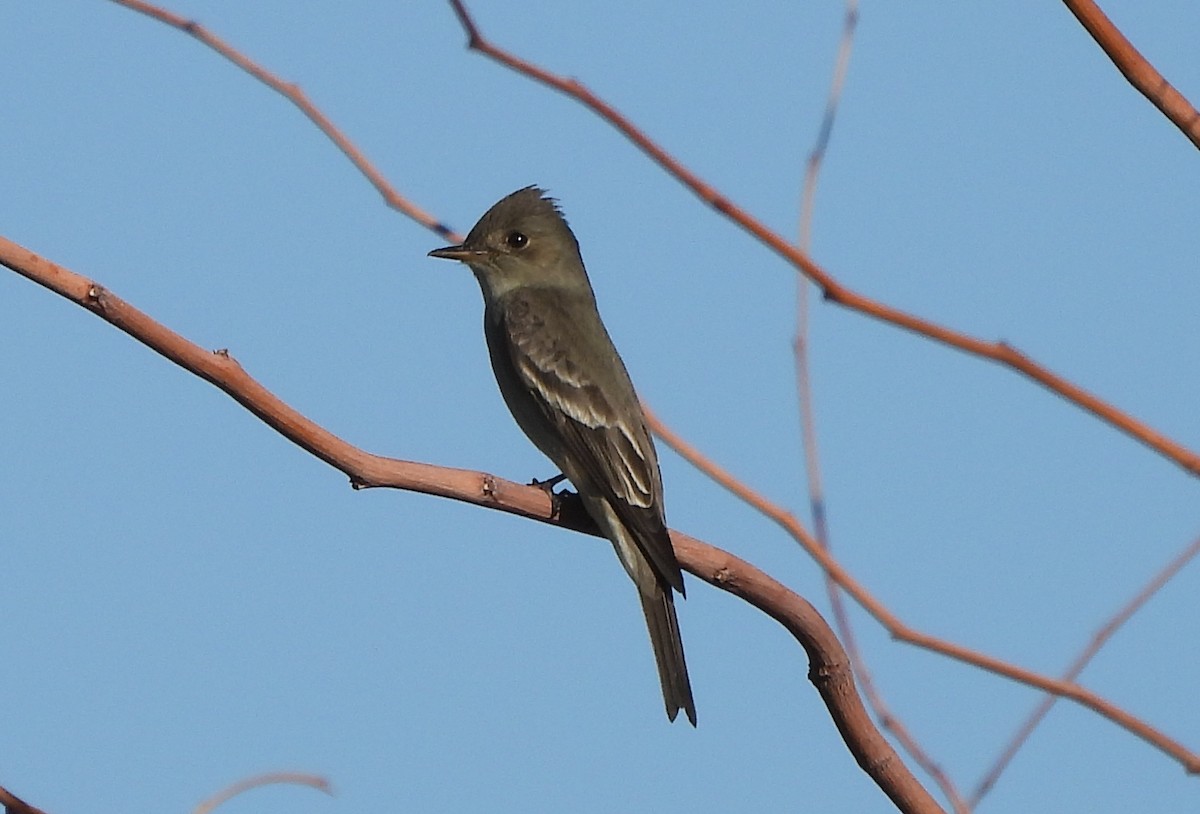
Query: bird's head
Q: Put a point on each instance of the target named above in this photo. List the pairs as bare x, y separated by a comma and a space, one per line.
523, 240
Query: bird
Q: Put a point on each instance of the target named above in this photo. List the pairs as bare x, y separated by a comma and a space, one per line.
569, 391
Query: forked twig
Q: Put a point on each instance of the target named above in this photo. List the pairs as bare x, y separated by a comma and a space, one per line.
1099, 639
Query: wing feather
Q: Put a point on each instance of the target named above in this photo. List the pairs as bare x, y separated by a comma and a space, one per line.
602, 429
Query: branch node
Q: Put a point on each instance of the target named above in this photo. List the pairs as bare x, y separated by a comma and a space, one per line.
488, 487
833, 293
1008, 353
720, 203
96, 296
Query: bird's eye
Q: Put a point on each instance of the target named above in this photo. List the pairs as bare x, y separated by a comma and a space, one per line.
516, 240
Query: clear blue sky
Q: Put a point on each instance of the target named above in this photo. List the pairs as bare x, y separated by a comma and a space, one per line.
189, 599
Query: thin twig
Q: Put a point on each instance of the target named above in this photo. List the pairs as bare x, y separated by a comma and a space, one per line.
269, 779
808, 430
292, 92
1098, 640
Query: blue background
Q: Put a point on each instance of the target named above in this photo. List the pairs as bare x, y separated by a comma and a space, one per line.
189, 599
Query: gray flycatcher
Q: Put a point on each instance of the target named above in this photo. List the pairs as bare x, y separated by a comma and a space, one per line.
569, 391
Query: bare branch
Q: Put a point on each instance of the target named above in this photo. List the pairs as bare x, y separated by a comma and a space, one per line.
1099, 639
899, 630
808, 429
272, 778
369, 470
292, 92
15, 805
829, 667
834, 291
475, 483
1135, 68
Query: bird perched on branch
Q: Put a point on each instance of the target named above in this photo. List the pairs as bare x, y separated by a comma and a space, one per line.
568, 389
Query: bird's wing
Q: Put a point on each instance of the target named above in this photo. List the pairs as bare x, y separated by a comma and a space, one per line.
603, 432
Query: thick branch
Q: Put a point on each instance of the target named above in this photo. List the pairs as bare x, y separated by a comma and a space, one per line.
15, 805
1145, 79
829, 667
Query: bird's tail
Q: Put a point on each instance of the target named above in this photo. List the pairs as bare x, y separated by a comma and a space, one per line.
659, 608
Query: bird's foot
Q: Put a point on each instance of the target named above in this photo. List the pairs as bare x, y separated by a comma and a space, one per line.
547, 486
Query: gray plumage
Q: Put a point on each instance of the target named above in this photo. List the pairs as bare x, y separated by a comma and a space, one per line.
568, 390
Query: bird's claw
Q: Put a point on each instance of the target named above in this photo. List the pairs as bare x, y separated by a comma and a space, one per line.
547, 486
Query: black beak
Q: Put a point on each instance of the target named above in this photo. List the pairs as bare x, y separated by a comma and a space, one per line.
455, 253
